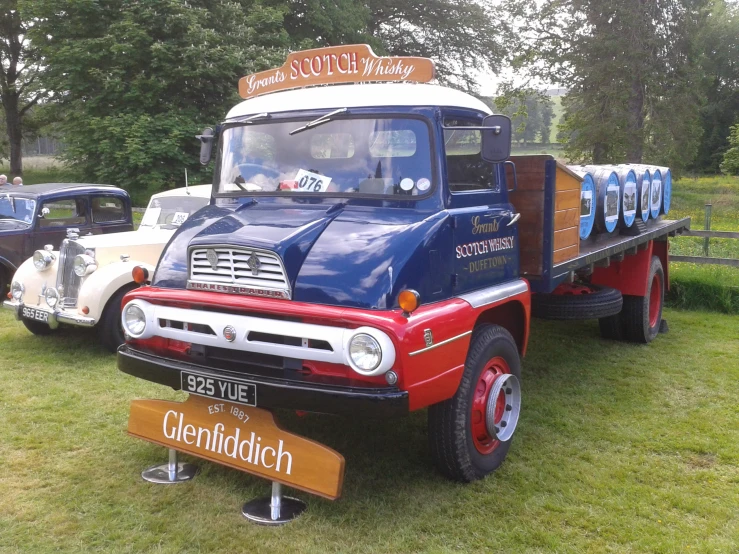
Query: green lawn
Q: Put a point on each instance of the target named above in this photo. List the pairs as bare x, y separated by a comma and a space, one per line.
633, 449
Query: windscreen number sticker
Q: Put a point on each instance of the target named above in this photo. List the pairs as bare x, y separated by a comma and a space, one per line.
312, 182
179, 218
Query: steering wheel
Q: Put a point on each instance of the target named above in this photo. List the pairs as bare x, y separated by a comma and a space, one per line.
168, 219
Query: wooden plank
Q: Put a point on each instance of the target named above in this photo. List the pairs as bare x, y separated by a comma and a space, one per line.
702, 260
564, 254
566, 181
230, 434
531, 261
711, 234
566, 237
567, 199
566, 218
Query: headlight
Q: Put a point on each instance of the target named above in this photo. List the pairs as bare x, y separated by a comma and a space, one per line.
42, 259
16, 290
84, 265
52, 297
134, 320
365, 352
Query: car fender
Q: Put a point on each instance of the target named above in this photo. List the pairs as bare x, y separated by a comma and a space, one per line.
99, 287
34, 280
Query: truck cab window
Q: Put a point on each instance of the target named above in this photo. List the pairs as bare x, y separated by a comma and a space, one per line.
466, 170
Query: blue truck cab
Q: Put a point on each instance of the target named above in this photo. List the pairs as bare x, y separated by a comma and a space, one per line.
361, 255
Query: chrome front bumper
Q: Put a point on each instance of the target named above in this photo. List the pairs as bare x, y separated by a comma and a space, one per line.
55, 316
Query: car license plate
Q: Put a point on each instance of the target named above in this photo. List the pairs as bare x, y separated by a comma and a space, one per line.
36, 315
221, 389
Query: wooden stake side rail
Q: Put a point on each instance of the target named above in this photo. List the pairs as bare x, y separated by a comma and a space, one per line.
604, 248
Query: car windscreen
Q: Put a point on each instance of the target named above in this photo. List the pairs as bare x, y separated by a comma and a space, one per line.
342, 157
171, 211
16, 207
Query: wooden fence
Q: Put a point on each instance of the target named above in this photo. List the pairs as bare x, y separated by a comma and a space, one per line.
707, 235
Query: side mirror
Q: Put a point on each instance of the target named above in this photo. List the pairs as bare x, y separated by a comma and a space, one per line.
206, 145
496, 138
44, 212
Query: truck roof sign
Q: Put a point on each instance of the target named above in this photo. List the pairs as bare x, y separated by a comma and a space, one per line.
353, 63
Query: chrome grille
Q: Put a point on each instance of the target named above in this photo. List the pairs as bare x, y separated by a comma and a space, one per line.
67, 282
239, 270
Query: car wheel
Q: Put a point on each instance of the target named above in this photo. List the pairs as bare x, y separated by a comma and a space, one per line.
110, 329
37, 328
470, 434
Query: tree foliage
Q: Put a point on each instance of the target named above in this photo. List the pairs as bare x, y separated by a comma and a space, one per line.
136, 81
730, 162
632, 70
19, 80
531, 114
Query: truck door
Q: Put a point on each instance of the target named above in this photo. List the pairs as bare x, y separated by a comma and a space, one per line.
485, 223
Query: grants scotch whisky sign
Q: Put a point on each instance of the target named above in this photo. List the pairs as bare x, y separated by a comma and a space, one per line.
239, 437
353, 63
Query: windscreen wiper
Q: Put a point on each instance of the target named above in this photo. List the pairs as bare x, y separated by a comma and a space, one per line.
255, 117
320, 121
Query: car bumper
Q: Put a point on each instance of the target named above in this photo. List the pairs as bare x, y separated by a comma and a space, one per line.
55, 317
333, 396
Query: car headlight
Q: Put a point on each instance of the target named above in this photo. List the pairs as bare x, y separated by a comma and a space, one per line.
134, 320
42, 259
84, 265
365, 352
16, 290
52, 297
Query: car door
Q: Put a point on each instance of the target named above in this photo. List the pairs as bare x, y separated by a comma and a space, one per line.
109, 213
485, 223
63, 213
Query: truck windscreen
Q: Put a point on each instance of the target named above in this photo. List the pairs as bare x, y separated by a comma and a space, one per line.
352, 156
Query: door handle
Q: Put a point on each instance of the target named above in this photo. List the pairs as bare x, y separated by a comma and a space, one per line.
514, 218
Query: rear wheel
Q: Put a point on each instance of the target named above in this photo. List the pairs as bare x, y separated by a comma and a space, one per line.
37, 328
110, 328
470, 433
612, 327
642, 315
4, 282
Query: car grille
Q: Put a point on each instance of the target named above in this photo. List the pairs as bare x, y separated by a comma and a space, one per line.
67, 281
239, 271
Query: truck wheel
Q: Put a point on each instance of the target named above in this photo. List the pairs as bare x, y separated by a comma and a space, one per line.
577, 301
612, 327
109, 328
642, 315
37, 328
470, 433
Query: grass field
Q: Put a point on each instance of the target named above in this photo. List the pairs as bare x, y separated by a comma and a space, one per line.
633, 450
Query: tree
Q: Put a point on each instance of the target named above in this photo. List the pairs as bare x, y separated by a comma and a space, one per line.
19, 73
136, 81
531, 114
632, 70
730, 163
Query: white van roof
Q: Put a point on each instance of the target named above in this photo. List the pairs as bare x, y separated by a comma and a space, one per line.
358, 96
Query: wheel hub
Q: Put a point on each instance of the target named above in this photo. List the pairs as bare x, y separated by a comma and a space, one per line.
496, 405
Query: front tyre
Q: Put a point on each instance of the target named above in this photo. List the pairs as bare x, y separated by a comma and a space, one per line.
37, 328
470, 433
110, 328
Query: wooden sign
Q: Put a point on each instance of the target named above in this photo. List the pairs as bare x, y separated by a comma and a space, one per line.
240, 437
353, 63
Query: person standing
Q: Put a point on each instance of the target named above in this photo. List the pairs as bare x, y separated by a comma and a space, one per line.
18, 181
3, 180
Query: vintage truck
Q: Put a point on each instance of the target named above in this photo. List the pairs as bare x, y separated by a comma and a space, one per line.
371, 250
82, 281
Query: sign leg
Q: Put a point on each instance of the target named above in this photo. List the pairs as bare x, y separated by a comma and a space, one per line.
171, 472
273, 510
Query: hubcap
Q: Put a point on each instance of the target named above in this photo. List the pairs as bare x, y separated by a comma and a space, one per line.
496, 405
655, 299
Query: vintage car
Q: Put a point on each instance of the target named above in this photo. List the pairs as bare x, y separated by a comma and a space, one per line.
84, 281
33, 216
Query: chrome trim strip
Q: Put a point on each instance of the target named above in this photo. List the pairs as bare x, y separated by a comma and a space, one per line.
491, 295
438, 344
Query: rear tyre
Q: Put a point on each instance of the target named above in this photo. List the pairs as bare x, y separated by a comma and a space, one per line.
37, 328
470, 433
109, 328
4, 282
612, 327
642, 315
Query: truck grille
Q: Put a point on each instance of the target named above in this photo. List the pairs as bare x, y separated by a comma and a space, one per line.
67, 282
238, 271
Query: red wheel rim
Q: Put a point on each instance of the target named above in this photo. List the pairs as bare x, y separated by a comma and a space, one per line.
655, 300
484, 443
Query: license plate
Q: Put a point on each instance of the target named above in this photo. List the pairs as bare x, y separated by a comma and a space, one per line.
221, 389
36, 315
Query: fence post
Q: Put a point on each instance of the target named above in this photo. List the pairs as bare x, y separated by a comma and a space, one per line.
707, 227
